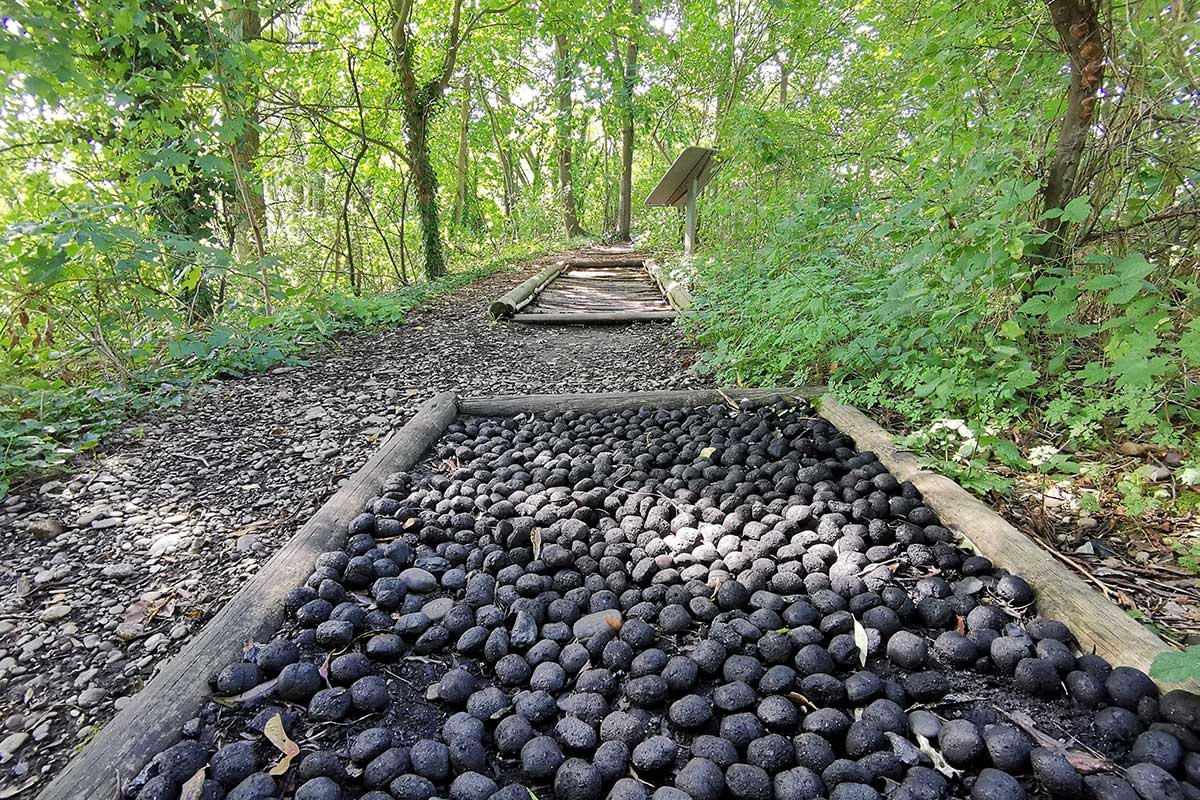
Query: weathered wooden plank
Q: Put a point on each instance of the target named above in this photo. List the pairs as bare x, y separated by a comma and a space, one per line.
514, 299
151, 722
584, 262
1098, 623
599, 402
597, 317
673, 284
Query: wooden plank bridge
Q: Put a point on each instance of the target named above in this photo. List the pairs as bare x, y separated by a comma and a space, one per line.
592, 287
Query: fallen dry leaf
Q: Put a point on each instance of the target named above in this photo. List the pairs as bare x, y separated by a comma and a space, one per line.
194, 786
535, 537
277, 736
861, 642
939, 761
802, 700
248, 696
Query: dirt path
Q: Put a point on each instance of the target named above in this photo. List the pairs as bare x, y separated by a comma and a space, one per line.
161, 530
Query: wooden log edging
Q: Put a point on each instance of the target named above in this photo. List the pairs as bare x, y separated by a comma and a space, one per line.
595, 317
520, 296
1098, 624
151, 723
673, 285
602, 402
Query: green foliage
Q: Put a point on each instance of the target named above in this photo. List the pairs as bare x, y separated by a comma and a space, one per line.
1177, 667
44, 423
882, 235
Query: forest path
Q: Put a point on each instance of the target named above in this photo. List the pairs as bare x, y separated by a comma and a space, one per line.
163, 528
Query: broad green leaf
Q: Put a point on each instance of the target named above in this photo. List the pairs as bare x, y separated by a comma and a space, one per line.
1177, 667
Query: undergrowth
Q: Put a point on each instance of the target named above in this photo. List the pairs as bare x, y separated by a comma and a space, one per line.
986, 357
67, 401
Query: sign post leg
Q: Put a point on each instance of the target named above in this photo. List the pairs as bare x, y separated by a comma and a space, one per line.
689, 226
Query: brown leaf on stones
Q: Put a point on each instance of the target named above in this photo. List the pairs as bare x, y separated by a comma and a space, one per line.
194, 786
275, 733
1083, 762
613, 621
796, 697
249, 696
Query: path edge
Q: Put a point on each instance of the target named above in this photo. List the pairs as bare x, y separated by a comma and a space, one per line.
1099, 625
150, 723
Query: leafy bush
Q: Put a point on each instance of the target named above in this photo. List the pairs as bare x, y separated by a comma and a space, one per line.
929, 304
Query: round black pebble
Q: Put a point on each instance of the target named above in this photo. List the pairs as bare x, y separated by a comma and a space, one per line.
748, 782
701, 779
577, 778
1038, 677
1055, 774
992, 784
297, 683
960, 742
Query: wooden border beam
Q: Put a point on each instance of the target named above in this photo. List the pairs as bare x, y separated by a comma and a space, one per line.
672, 284
521, 295
1098, 623
595, 317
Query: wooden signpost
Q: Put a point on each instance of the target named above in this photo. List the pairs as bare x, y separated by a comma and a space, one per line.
684, 180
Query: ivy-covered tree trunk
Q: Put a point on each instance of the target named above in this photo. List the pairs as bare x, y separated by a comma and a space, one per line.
419, 101
1078, 26
563, 72
625, 207
424, 179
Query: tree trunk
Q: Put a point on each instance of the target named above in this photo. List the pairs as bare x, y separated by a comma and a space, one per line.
419, 101
625, 208
460, 182
1078, 26
785, 73
425, 183
250, 217
563, 72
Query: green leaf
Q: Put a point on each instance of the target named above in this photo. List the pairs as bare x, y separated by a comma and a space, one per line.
1124, 293
1077, 210
1021, 378
1009, 329
1177, 667
1102, 282
1035, 305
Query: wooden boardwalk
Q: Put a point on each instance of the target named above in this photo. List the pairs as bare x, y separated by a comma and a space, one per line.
593, 287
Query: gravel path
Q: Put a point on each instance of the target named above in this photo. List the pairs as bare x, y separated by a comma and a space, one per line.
107, 572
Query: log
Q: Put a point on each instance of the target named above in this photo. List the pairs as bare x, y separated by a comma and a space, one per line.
1098, 624
602, 261
151, 723
602, 402
672, 283
519, 296
597, 317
